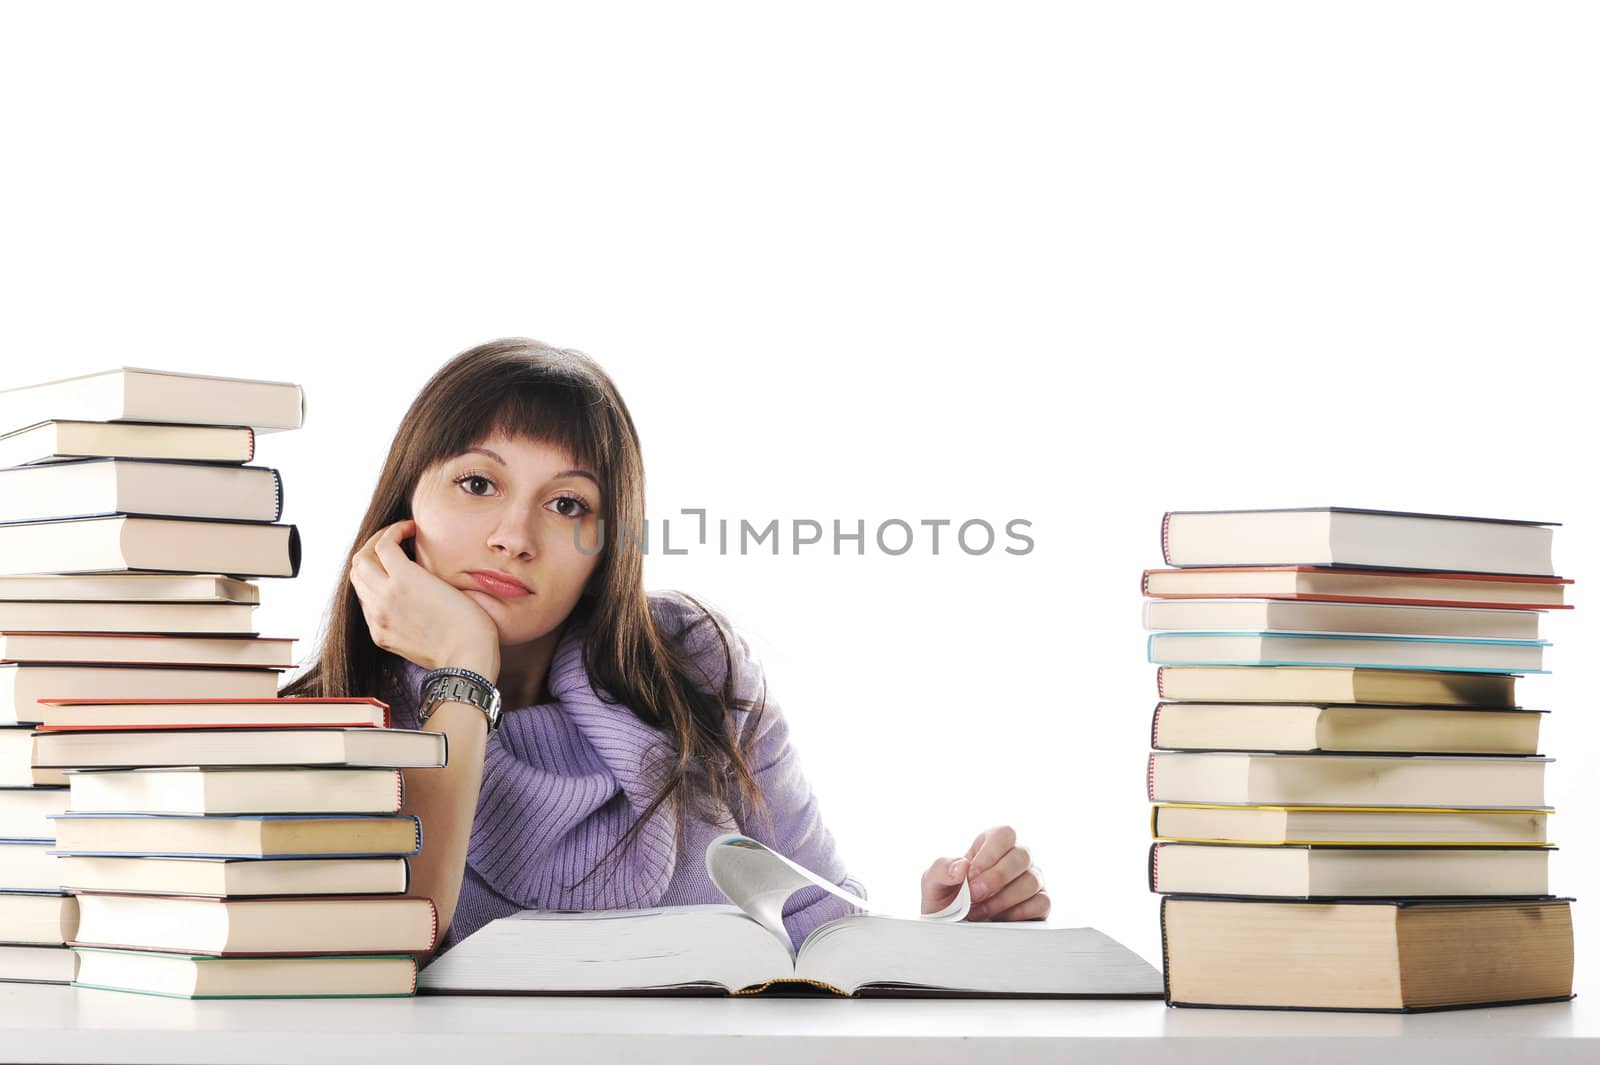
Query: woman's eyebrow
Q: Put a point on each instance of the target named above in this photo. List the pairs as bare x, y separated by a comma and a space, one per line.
557, 477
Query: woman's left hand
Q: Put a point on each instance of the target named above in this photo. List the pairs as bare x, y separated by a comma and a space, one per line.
1004, 882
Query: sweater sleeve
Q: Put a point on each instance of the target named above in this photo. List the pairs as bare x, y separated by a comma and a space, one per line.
797, 830
561, 785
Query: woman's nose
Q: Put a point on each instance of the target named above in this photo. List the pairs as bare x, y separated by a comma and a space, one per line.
514, 533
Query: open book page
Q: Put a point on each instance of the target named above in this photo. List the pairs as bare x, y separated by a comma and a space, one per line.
759, 881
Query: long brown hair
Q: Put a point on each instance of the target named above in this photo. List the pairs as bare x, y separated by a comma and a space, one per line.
561, 398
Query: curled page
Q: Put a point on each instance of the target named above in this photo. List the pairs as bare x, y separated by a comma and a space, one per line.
759, 881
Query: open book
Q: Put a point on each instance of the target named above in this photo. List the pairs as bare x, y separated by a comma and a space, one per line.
744, 948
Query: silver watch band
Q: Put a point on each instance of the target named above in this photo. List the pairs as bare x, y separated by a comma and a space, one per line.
459, 685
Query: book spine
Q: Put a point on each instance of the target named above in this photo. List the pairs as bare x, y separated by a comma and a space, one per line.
1166, 956
252, 456
400, 795
1154, 874
1161, 681
1155, 726
1150, 778
1166, 542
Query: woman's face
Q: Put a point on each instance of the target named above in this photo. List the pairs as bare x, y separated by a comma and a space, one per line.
504, 522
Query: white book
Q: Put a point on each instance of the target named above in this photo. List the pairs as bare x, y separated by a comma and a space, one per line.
1387, 619
57, 441
742, 948
1333, 649
28, 865
1353, 537
22, 685
85, 487
133, 542
127, 588
131, 394
38, 965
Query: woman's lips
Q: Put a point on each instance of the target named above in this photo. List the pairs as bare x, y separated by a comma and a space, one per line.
499, 584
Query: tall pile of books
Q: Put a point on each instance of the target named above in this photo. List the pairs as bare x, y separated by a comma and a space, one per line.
167, 824
1349, 806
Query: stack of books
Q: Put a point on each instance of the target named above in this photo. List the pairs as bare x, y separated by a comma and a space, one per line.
1349, 806
170, 825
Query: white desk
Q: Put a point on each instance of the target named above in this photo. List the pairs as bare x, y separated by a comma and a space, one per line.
42, 1023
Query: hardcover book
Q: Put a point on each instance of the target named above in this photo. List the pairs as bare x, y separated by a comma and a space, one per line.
1326, 584
59, 441
1372, 955
132, 394
1365, 539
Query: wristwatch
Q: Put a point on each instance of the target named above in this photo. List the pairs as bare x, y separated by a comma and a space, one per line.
461, 686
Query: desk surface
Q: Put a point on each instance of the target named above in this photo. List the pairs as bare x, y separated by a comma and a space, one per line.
44, 1023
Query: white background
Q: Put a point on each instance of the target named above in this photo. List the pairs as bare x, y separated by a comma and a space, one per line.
1075, 264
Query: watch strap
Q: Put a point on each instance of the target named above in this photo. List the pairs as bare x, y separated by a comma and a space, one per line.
459, 685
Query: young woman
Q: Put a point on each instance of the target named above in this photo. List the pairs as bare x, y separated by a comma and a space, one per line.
599, 736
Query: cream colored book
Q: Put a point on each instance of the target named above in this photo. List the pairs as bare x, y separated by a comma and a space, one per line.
127, 648
38, 918
238, 835
17, 769
1393, 826
1328, 649
235, 619
1287, 615
1330, 871
1307, 727
200, 977
235, 747
233, 877
24, 684
59, 441
227, 927
1379, 955
25, 811
1348, 536
1356, 585
37, 965
127, 588
130, 542
128, 486
1329, 684
134, 394
28, 865
1345, 779
260, 790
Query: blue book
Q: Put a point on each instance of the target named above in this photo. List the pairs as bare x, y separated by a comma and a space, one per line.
1359, 651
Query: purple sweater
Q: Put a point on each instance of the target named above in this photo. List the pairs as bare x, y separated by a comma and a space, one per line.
563, 781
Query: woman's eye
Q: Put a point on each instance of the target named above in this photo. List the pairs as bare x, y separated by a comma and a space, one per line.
474, 484
580, 507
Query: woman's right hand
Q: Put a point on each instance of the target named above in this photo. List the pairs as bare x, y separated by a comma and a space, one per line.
416, 615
